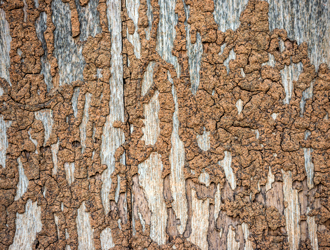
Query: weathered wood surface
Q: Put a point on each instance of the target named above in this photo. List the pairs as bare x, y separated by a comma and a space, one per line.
170, 124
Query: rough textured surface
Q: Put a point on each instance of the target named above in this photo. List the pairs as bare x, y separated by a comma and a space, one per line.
29, 225
155, 124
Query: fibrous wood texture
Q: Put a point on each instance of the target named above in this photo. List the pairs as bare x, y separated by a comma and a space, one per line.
164, 124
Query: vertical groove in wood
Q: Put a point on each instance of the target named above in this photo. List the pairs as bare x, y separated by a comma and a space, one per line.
226, 165
199, 221
46, 117
83, 125
28, 225
106, 239
147, 78
5, 40
166, 32
150, 179
217, 201
150, 171
232, 244
84, 229
312, 230
23, 181
270, 180
41, 26
133, 13
289, 74
194, 52
69, 56
309, 166
291, 211
151, 130
69, 172
248, 243
112, 137
4, 125
177, 159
